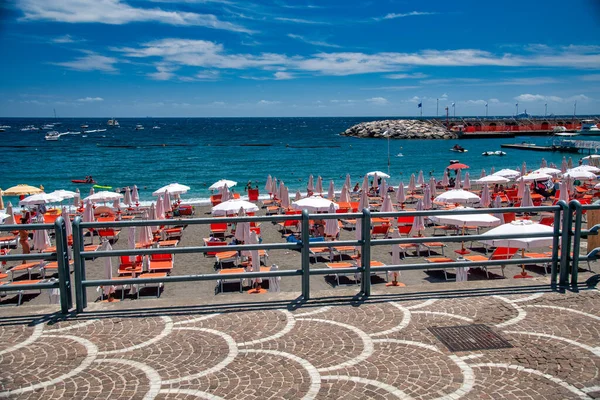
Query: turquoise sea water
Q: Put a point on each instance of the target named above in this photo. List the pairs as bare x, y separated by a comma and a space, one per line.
199, 151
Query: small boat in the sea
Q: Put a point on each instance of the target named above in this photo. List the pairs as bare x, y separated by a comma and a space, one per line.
53, 136
48, 127
139, 127
399, 155
589, 128
113, 122
156, 127
29, 128
88, 180
459, 149
493, 153
4, 126
84, 126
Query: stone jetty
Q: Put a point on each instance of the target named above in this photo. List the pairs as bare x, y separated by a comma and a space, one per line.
401, 129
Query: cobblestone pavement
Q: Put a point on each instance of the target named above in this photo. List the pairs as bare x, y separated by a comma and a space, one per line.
380, 349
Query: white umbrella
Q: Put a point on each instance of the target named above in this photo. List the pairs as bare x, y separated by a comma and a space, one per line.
1, 201
365, 184
88, 212
220, 183
135, 196
364, 201
145, 237
332, 228
432, 186
313, 203
233, 206
419, 222
575, 174
387, 205
348, 182
457, 196
457, 179
563, 165
498, 204
167, 202
445, 179
274, 281
395, 259
255, 257
153, 216
534, 177
10, 220
160, 211
522, 227
77, 198
485, 220
467, 182
268, 184
319, 188
492, 179
591, 157
564, 192
482, 173
131, 241
548, 171
68, 226
544, 163
400, 196
116, 204
521, 188
41, 239
281, 190
41, 198
570, 163
103, 197
64, 194
526, 201
420, 178
378, 174
274, 187
589, 168
91, 191
298, 195
383, 188
345, 196
172, 188
242, 229
331, 191
108, 267
507, 173
224, 191
485, 196
311, 184
492, 171
427, 205
524, 168
127, 199
375, 184
412, 184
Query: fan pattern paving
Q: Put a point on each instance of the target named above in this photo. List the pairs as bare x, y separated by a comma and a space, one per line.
378, 350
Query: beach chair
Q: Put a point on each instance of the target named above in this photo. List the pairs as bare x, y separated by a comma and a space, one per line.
501, 253
218, 229
162, 262
228, 271
208, 242
130, 268
509, 217
252, 195
53, 268
320, 252
226, 256
28, 268
434, 260
291, 225
173, 233
168, 243
549, 221
215, 199
158, 285
25, 282
337, 265
9, 241
110, 234
380, 230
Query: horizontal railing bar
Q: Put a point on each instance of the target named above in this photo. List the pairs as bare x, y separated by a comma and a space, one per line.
30, 256
333, 271
408, 267
27, 227
429, 213
190, 278
452, 239
29, 286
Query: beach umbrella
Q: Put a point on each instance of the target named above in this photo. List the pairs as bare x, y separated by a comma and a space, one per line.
255, 259
344, 196
127, 200
482, 173
456, 166
521, 188
41, 239
395, 259
573, 173
485, 196
268, 184
280, 190
348, 182
492, 171
526, 201
457, 196
135, 196
467, 182
77, 198
242, 229
400, 196
116, 204
548, 171
298, 195
153, 216
313, 203
564, 192
331, 191
378, 174
10, 220
563, 165
224, 192
64, 194
145, 237
427, 204
167, 202
332, 228
88, 212
534, 177
232, 206
387, 205
507, 173
363, 202
131, 241
492, 179
103, 197
41, 198
285, 198
365, 184
457, 179
589, 168
108, 267
524, 168
319, 187
375, 181
91, 191
383, 188
274, 281
419, 222
498, 204
22, 189
160, 211
544, 163
274, 187
482, 220
570, 163
220, 183
420, 179
445, 180
412, 184
570, 182
311, 186
432, 186
1, 201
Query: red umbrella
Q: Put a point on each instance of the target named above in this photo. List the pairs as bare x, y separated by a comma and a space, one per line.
457, 166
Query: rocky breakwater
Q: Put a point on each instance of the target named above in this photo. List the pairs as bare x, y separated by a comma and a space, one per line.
400, 129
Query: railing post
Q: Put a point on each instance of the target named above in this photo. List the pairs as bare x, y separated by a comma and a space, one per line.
556, 241
79, 265
366, 253
565, 247
64, 276
575, 205
305, 256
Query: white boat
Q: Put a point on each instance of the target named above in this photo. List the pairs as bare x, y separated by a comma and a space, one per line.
399, 155
48, 127
29, 128
54, 135
156, 127
4, 127
113, 122
139, 127
84, 126
589, 128
493, 153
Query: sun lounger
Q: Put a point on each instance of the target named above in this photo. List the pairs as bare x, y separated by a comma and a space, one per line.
501, 253
8, 241
338, 265
173, 233
437, 245
291, 225
161, 263
534, 256
224, 280
380, 230
25, 282
109, 233
168, 243
272, 210
153, 275
53, 267
208, 242
340, 250
226, 256
128, 267
218, 229
320, 251
28, 268
434, 260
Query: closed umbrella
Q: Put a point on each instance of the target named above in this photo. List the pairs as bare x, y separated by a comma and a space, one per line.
395, 260
570, 163
526, 201
319, 188
445, 180
41, 239
1, 201
383, 188
77, 198
331, 191
131, 241
220, 183
10, 220
365, 184
255, 265
348, 182
91, 191
242, 229
285, 198
420, 179
167, 202
412, 184
498, 204
544, 163
274, 187
298, 195
419, 222
427, 204
400, 196
311, 185
387, 205
160, 212
432, 186
88, 216
375, 184
363, 202
145, 237
281, 190
564, 192
153, 216
127, 199
108, 289
232, 206
563, 165
524, 168
345, 195
482, 173
570, 182
68, 226
467, 183
521, 188
458, 179
268, 184
135, 196
224, 191
332, 228
274, 281
492, 171
485, 196
116, 204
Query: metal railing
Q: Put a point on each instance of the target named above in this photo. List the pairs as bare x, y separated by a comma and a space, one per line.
566, 216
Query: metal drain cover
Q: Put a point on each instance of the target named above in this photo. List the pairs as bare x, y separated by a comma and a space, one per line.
469, 337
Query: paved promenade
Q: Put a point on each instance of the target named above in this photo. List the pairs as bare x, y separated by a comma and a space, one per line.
381, 348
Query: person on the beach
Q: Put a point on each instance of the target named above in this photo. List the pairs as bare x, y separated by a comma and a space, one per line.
356, 188
248, 186
24, 234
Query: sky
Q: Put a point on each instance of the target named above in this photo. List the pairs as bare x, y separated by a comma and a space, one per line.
227, 58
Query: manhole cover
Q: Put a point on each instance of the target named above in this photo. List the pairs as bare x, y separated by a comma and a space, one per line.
469, 337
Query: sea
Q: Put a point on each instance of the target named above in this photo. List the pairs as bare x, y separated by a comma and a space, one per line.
199, 151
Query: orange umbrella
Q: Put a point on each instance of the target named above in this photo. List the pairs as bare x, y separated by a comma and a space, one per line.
457, 166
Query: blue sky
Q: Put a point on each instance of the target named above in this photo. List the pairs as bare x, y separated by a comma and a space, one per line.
102, 58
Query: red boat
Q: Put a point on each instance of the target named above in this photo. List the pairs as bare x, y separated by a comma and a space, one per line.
83, 181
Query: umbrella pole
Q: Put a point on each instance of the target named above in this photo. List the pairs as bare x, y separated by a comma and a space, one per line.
523, 273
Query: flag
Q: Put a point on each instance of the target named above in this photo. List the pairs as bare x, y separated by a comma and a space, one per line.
420, 105
486, 104
452, 104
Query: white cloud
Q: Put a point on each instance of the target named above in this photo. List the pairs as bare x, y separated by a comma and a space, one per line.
380, 101
90, 99
494, 101
402, 15
267, 102
477, 102
116, 12
282, 75
416, 75
557, 99
65, 39
163, 73
301, 21
313, 42
591, 78
444, 96
91, 62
